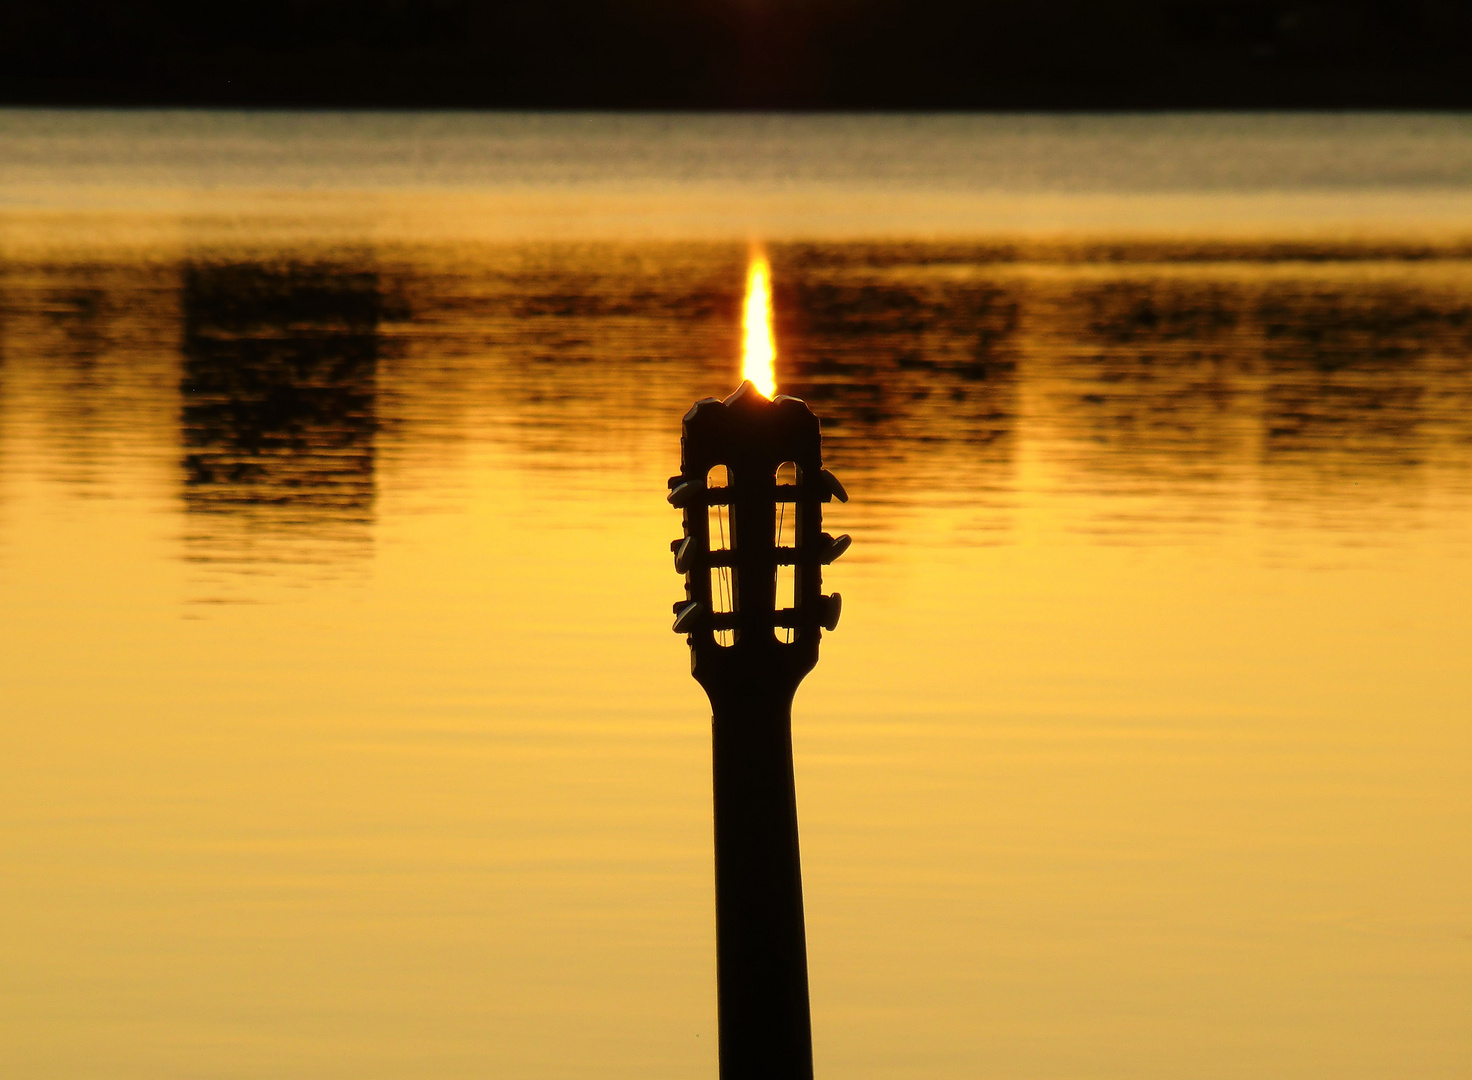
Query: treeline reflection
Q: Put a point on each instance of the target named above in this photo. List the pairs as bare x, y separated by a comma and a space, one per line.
287, 388
278, 393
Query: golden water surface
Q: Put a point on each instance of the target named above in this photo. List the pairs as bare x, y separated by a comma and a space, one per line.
344, 734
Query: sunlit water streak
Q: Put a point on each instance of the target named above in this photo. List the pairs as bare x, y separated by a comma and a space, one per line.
758, 348
345, 734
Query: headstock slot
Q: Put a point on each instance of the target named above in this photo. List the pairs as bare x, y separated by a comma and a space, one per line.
785, 602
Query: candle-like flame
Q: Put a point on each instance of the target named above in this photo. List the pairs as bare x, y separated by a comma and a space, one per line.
759, 349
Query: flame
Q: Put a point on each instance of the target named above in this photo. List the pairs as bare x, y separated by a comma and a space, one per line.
759, 347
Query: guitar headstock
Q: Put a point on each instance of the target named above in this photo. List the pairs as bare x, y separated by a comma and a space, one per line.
752, 487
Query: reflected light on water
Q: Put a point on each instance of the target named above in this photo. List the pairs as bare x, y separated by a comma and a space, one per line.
759, 344
345, 734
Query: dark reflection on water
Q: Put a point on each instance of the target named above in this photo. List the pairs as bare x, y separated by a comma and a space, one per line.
1381, 371
904, 364
86, 367
1300, 381
568, 354
1338, 384
279, 392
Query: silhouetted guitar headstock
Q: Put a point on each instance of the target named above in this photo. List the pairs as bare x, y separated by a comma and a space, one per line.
752, 487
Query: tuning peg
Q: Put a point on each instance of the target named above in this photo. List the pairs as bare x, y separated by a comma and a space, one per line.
683, 495
832, 607
686, 615
835, 489
835, 546
684, 553
674, 482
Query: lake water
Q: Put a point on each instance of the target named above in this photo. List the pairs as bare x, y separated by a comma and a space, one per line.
345, 734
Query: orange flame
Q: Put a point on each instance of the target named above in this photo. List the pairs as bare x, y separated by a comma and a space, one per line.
759, 350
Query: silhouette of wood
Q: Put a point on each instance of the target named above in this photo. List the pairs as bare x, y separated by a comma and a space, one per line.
761, 948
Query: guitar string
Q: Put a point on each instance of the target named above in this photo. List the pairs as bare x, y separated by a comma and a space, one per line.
723, 574
723, 581
781, 524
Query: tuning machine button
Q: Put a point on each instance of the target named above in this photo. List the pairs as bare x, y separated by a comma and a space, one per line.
687, 614
832, 607
833, 547
684, 553
832, 488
